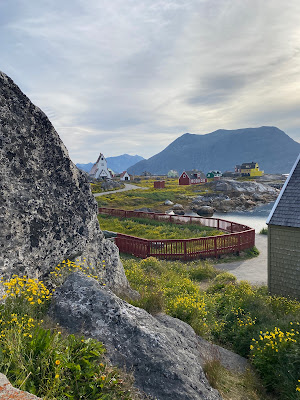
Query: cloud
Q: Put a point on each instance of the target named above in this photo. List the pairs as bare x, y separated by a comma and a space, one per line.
132, 75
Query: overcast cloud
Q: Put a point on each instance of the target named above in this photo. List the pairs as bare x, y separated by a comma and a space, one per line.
130, 76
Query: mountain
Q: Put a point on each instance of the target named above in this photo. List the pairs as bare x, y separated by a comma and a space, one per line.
85, 167
123, 162
117, 164
273, 149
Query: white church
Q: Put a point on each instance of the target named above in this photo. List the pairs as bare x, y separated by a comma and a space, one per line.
99, 169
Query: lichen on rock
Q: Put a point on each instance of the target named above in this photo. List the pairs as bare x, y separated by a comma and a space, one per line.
47, 211
162, 352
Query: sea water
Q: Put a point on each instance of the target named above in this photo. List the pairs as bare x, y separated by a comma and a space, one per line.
255, 218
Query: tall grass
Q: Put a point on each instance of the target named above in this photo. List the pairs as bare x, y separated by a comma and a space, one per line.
235, 315
46, 361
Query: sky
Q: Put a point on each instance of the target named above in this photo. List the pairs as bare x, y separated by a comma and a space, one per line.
130, 76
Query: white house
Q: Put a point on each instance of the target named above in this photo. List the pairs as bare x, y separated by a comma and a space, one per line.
99, 169
124, 176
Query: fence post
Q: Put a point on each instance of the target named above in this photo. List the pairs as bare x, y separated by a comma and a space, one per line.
239, 243
184, 250
218, 224
215, 247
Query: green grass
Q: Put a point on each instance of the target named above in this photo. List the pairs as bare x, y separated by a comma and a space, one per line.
235, 315
153, 198
151, 229
39, 357
98, 187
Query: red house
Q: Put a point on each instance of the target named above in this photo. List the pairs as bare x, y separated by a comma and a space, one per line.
159, 184
192, 177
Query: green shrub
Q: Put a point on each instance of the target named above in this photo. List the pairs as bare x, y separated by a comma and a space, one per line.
202, 271
253, 252
48, 365
220, 281
276, 355
264, 231
233, 314
46, 362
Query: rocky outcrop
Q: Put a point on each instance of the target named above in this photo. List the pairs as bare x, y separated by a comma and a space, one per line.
7, 391
111, 185
242, 187
231, 195
162, 352
47, 211
204, 210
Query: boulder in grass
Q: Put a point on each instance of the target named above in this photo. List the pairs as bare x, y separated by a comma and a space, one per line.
162, 352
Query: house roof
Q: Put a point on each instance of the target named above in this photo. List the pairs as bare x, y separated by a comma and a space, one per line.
248, 165
191, 174
286, 210
123, 173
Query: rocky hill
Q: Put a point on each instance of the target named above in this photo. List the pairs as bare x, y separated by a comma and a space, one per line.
273, 149
118, 164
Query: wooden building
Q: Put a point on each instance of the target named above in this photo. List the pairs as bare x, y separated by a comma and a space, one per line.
284, 238
159, 184
99, 169
250, 169
192, 177
214, 174
124, 176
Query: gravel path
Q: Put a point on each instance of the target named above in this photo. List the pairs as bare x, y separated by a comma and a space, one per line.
254, 270
128, 186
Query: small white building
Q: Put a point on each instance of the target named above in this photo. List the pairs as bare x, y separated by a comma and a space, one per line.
99, 169
124, 176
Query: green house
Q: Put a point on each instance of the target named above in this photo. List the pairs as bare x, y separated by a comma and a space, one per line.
284, 238
214, 174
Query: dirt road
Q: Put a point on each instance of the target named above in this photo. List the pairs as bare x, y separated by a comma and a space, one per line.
128, 186
254, 270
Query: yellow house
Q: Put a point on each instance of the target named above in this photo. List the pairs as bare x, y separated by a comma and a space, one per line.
251, 169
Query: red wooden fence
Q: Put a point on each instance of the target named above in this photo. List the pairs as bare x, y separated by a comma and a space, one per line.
240, 237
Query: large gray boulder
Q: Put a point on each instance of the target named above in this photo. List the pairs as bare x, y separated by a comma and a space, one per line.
162, 352
47, 211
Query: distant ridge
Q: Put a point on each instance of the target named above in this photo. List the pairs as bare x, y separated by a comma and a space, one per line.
272, 148
118, 164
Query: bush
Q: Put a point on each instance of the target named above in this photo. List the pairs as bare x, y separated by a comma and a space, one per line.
253, 252
264, 231
202, 271
46, 362
276, 355
233, 314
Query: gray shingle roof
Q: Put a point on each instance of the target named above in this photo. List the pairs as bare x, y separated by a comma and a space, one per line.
248, 165
286, 210
191, 174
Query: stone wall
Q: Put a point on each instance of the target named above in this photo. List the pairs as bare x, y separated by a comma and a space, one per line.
284, 261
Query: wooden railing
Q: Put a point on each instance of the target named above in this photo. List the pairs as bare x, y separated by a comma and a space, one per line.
239, 237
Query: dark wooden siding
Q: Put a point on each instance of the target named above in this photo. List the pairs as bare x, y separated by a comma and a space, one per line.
284, 261
184, 179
